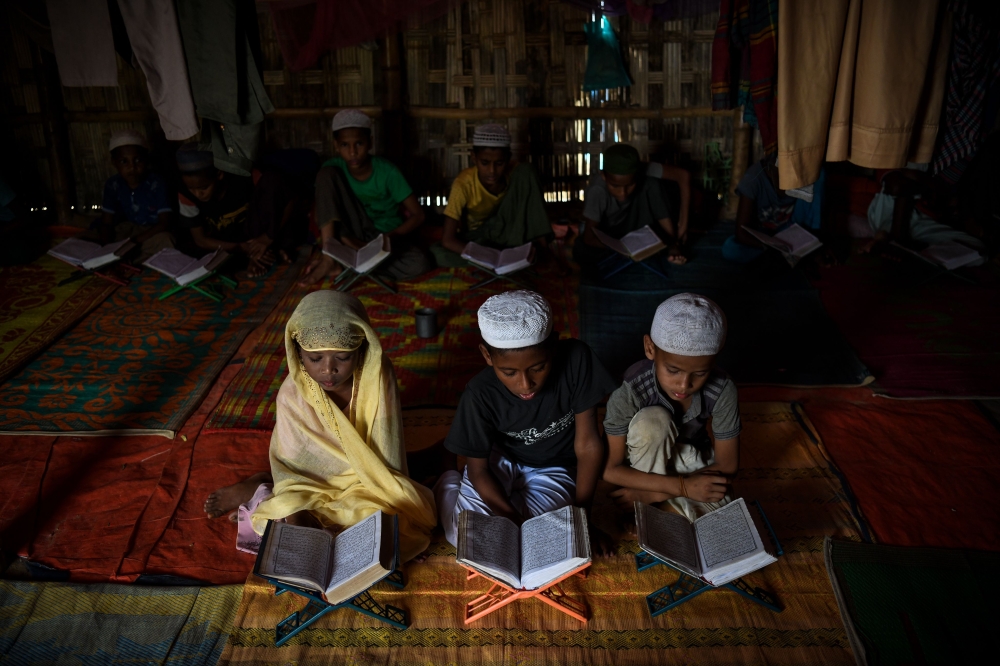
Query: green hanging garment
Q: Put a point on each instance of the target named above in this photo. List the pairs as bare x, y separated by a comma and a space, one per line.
605, 68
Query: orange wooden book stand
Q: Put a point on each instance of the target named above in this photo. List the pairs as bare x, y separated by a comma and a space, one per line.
500, 595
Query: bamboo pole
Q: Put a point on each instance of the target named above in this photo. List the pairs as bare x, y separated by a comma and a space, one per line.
444, 113
56, 135
742, 138
563, 112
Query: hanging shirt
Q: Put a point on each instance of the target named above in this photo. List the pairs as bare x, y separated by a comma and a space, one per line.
142, 205
224, 218
539, 432
381, 193
469, 198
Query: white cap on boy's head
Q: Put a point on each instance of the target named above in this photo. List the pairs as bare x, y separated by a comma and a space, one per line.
689, 325
128, 137
351, 118
491, 136
515, 319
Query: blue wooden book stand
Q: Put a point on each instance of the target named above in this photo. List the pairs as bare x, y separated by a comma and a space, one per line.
616, 263
687, 587
318, 607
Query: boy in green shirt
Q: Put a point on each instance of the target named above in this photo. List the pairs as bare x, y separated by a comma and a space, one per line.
358, 197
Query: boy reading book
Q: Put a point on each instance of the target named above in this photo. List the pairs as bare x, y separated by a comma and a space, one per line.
527, 424
497, 203
769, 210
673, 426
625, 196
136, 201
358, 197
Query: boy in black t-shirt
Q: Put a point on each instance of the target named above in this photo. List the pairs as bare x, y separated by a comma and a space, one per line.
527, 424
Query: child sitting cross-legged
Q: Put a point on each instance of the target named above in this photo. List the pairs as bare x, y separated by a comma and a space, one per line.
527, 424
358, 197
497, 202
673, 426
337, 452
136, 200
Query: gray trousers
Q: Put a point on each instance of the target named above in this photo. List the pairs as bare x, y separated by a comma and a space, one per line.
653, 448
337, 204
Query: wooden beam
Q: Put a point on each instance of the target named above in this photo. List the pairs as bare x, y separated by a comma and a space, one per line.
570, 112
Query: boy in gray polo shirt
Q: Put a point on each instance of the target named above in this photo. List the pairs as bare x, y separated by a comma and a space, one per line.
673, 425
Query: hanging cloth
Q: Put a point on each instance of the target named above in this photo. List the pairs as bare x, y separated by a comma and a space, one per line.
222, 45
605, 68
84, 43
858, 81
745, 64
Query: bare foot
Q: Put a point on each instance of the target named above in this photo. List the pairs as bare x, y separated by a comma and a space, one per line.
422, 557
224, 500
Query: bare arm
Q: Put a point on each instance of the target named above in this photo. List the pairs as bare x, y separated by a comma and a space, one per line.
744, 217
321, 264
589, 451
206, 243
683, 179
589, 237
490, 489
706, 485
450, 239
417, 217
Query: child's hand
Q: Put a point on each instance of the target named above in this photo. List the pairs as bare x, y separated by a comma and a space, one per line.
706, 487
626, 498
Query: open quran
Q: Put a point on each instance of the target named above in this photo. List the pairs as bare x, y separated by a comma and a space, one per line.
339, 567
717, 548
529, 557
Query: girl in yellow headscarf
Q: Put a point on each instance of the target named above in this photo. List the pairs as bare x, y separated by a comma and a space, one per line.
337, 452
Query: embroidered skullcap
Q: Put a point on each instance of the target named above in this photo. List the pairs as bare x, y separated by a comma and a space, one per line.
127, 137
689, 325
349, 118
621, 159
191, 159
515, 319
491, 136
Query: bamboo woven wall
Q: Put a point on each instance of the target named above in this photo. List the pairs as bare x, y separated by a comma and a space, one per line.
482, 54
515, 53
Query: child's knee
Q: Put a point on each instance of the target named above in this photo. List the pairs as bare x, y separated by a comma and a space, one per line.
650, 439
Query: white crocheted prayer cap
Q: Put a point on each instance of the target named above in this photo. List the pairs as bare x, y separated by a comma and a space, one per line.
351, 118
689, 325
128, 137
491, 136
515, 319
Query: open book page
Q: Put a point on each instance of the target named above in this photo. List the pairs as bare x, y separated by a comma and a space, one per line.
727, 538
342, 254
642, 243
171, 262
668, 536
297, 555
479, 254
951, 255
800, 242
551, 546
354, 550
86, 254
371, 255
612, 243
514, 259
491, 544
197, 269
770, 241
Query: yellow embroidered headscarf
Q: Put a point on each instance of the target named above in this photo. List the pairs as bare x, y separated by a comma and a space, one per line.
342, 467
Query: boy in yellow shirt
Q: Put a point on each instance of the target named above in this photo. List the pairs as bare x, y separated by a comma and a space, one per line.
497, 202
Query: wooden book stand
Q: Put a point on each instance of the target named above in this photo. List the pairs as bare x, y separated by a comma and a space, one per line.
501, 594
